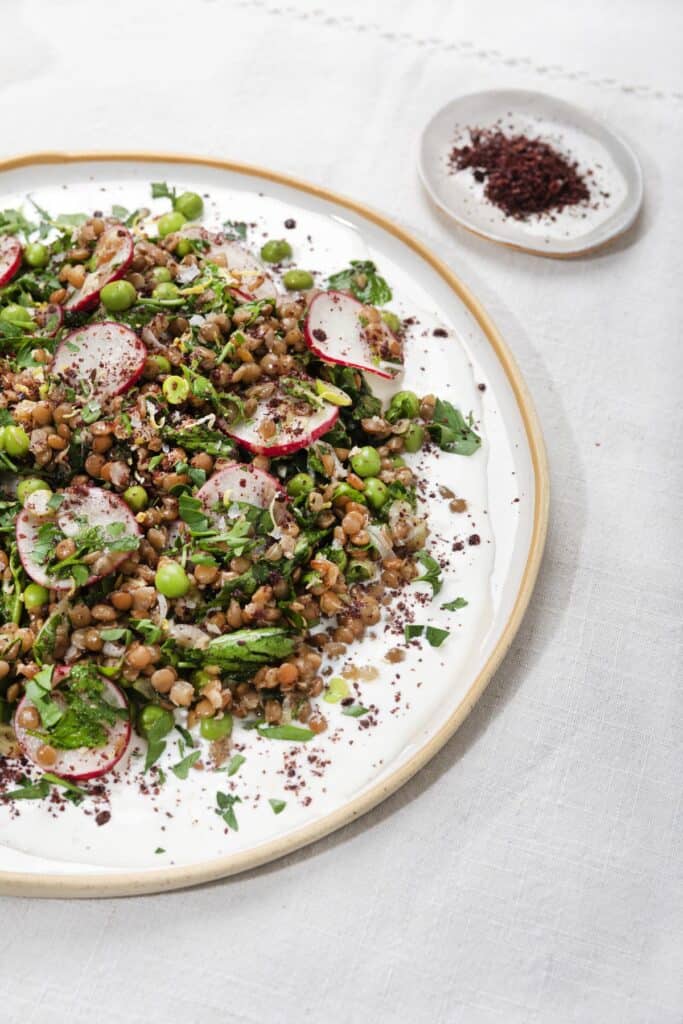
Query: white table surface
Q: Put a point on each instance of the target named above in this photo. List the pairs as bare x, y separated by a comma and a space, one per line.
532, 873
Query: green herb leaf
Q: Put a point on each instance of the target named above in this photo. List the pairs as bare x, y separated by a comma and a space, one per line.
233, 765
436, 636
45, 641
355, 711
38, 692
451, 431
29, 791
182, 769
235, 230
187, 736
277, 805
433, 574
160, 190
290, 733
362, 279
225, 809
412, 630
455, 605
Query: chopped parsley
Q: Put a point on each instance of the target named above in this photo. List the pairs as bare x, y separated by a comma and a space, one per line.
277, 805
225, 809
451, 431
363, 281
432, 575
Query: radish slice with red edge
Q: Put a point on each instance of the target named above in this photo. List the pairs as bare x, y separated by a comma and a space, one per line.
238, 482
254, 281
10, 258
295, 425
82, 763
100, 360
335, 332
92, 505
112, 256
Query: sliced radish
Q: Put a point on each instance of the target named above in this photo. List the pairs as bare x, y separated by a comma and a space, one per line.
100, 360
80, 504
49, 319
112, 257
295, 425
335, 331
84, 762
240, 483
10, 258
254, 281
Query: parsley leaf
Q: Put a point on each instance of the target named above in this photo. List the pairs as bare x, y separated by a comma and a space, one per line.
455, 605
435, 636
451, 431
225, 809
160, 190
233, 765
285, 732
355, 711
182, 769
277, 805
363, 281
235, 230
433, 574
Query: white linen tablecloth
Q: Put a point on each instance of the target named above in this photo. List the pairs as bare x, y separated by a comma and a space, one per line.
532, 873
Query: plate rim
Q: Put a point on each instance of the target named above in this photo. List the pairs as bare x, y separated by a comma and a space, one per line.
140, 881
517, 246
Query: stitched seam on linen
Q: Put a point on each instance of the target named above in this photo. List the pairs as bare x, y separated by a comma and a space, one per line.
465, 48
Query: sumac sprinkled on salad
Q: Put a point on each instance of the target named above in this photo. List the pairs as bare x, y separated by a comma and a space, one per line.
200, 495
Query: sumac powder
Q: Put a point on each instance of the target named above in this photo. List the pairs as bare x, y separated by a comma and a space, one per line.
523, 176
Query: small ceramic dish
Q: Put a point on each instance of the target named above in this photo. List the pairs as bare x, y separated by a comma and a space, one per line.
615, 180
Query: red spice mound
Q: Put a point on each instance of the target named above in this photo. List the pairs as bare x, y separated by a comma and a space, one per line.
523, 176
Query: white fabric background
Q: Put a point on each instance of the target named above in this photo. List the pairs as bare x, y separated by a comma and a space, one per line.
532, 873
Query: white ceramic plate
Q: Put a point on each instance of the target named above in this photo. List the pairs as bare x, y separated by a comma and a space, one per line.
165, 839
616, 183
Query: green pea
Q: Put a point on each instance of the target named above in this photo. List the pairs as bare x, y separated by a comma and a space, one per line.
118, 296
345, 490
161, 274
413, 438
366, 461
154, 717
29, 486
135, 498
376, 492
35, 597
156, 365
175, 389
165, 290
16, 441
36, 255
183, 247
404, 405
216, 728
17, 315
171, 580
189, 204
391, 320
297, 280
276, 250
299, 485
170, 222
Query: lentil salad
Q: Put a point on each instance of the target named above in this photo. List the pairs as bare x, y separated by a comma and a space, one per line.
222, 507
